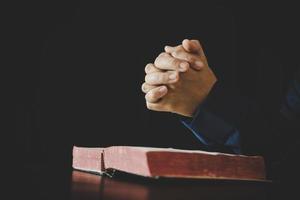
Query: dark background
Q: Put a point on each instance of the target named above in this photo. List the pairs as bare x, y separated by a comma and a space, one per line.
78, 67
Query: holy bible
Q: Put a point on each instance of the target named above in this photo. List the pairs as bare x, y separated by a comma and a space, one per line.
169, 162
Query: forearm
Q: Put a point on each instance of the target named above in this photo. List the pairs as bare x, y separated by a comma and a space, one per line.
215, 124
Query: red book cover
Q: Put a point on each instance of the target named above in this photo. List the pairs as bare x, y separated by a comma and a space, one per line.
168, 162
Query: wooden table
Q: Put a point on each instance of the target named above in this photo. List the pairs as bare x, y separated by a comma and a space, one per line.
90, 186
50, 183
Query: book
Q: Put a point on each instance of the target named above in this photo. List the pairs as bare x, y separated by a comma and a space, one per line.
168, 162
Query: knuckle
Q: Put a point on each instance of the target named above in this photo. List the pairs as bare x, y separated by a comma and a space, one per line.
175, 53
177, 77
190, 58
180, 53
155, 95
174, 62
164, 78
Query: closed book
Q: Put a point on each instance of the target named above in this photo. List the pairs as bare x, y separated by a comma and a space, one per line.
169, 163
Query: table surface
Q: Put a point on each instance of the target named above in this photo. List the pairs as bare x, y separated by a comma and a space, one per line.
97, 187
45, 183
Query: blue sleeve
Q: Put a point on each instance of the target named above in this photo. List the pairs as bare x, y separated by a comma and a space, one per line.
291, 104
213, 131
215, 123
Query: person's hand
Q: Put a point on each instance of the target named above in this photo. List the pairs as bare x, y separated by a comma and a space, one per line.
168, 90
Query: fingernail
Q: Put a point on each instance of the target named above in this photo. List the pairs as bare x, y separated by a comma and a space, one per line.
199, 64
172, 76
162, 89
183, 67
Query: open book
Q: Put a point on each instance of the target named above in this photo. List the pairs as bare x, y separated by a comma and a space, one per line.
168, 162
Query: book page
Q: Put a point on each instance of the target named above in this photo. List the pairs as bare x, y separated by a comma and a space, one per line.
147, 149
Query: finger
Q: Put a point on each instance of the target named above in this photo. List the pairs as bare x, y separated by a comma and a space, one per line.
156, 107
166, 62
193, 59
170, 49
192, 46
161, 78
146, 87
150, 68
155, 94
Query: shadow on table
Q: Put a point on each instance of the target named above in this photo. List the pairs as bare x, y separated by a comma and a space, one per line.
90, 186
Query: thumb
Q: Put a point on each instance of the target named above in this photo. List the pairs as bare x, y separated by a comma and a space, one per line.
192, 46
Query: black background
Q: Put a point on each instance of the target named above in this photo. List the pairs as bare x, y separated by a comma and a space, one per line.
78, 67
